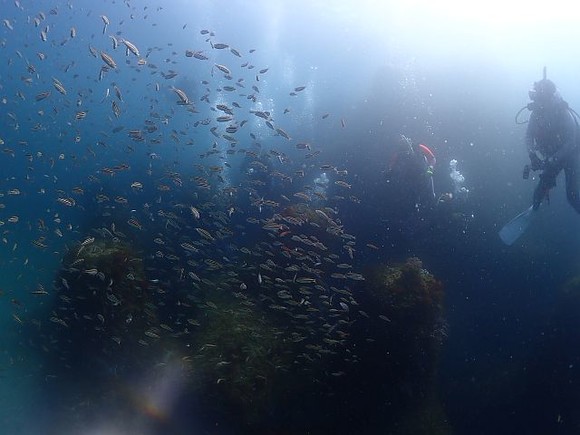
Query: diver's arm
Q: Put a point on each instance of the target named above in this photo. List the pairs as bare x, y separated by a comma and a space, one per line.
531, 142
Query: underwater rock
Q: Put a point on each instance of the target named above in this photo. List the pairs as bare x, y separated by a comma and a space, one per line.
252, 365
405, 330
408, 293
240, 359
105, 316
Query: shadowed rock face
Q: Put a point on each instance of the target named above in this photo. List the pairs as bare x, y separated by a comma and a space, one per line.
241, 356
403, 334
104, 316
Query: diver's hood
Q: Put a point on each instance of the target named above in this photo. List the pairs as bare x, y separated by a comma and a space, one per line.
543, 91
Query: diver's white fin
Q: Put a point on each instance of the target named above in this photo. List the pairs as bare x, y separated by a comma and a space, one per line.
516, 227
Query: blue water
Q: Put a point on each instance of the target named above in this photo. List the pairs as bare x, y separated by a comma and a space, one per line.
347, 80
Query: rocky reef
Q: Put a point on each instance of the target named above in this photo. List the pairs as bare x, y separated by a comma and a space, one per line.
399, 348
248, 356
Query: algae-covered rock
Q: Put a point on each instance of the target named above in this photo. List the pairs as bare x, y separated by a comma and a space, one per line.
408, 292
241, 359
405, 328
105, 314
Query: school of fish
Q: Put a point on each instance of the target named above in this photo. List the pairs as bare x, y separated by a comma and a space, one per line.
102, 160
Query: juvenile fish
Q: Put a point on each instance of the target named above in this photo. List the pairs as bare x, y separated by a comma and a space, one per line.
108, 60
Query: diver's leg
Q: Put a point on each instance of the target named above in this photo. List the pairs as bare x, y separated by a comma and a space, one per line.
432, 189
540, 193
571, 171
538, 196
547, 181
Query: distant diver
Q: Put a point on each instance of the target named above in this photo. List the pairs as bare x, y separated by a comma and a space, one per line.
553, 134
552, 139
411, 170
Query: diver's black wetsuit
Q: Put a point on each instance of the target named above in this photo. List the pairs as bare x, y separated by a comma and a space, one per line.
552, 131
411, 184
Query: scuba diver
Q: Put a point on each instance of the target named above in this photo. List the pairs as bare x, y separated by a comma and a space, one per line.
415, 210
552, 142
410, 172
552, 139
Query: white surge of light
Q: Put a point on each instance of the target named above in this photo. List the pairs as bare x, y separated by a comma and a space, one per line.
509, 26
493, 13
511, 15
